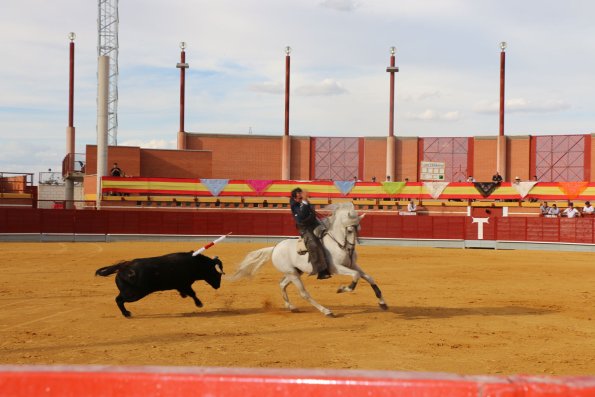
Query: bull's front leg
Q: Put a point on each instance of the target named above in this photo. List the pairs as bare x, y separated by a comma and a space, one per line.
188, 291
120, 303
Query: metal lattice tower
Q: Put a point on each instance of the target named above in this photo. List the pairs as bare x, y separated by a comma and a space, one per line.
107, 44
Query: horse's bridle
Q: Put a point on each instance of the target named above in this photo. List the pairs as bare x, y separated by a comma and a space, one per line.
347, 245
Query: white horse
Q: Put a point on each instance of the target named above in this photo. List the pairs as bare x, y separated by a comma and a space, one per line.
339, 245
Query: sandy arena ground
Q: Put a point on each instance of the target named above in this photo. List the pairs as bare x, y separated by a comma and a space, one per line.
461, 311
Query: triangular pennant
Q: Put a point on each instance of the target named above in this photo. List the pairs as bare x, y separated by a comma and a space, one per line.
486, 188
435, 188
573, 189
393, 187
259, 185
344, 186
524, 187
215, 186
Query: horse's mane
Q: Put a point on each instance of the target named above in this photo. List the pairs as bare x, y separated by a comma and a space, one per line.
337, 208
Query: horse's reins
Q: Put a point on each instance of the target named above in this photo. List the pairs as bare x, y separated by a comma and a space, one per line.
347, 246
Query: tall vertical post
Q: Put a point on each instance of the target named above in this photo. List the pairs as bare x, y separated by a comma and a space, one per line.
102, 121
182, 66
501, 143
390, 140
70, 132
286, 140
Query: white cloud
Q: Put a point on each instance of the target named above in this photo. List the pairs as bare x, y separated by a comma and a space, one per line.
432, 115
151, 144
522, 105
451, 116
324, 88
341, 5
268, 87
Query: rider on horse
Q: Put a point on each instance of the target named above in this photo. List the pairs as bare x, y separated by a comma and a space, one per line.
306, 221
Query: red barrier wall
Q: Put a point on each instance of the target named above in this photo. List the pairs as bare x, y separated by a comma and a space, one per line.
221, 382
269, 223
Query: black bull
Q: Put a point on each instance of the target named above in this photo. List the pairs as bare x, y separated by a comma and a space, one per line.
138, 278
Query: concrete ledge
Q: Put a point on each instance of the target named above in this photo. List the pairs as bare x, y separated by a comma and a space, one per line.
398, 242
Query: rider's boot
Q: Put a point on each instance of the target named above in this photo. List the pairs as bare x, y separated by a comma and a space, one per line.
324, 274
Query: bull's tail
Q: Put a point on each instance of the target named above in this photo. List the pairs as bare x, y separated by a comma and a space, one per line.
252, 263
107, 270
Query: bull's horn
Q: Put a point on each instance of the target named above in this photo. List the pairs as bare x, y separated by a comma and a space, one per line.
218, 268
215, 257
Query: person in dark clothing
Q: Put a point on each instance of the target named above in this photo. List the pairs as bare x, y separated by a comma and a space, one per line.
116, 171
306, 221
497, 177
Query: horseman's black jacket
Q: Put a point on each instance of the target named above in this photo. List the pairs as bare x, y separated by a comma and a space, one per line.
303, 214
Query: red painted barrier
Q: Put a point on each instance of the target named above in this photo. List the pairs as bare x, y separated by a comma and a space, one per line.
275, 223
222, 382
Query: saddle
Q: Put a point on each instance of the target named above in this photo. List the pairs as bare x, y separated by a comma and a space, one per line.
301, 246
319, 232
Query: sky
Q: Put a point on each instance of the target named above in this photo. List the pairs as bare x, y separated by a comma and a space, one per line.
447, 52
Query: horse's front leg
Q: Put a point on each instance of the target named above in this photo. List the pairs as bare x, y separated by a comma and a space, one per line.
355, 276
374, 286
297, 281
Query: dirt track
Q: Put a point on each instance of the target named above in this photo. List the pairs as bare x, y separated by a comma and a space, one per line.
471, 312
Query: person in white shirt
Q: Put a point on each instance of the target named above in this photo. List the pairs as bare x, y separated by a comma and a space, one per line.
588, 209
544, 209
411, 207
571, 212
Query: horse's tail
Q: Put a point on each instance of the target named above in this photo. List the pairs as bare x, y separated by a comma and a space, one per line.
252, 263
107, 270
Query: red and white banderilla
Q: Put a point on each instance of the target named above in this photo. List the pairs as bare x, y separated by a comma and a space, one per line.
209, 245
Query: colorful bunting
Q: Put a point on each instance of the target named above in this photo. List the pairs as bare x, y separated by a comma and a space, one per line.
259, 185
435, 188
486, 188
573, 189
524, 187
344, 186
215, 186
393, 187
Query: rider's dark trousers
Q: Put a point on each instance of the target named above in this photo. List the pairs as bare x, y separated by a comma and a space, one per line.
315, 250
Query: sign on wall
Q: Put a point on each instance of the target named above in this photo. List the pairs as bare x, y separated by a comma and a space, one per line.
432, 171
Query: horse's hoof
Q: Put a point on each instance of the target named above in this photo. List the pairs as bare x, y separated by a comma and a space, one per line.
340, 290
294, 310
383, 306
330, 315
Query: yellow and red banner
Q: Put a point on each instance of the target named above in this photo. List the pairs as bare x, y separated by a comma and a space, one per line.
329, 189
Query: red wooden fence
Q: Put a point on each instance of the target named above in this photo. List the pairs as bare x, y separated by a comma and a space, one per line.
269, 223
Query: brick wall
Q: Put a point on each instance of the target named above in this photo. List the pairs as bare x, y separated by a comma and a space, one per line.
47, 194
518, 150
374, 158
300, 157
240, 157
127, 157
407, 158
157, 163
484, 163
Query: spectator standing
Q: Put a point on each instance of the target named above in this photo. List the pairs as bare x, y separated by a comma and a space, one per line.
116, 171
411, 207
